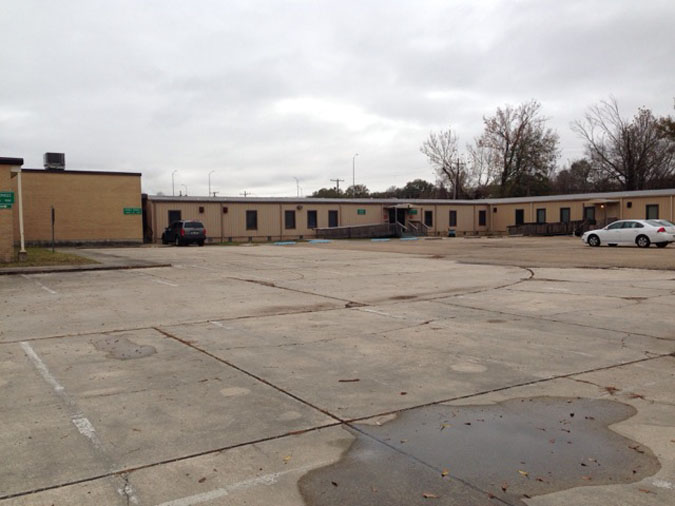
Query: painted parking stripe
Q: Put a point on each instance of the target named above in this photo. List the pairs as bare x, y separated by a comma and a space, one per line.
45, 288
81, 422
266, 480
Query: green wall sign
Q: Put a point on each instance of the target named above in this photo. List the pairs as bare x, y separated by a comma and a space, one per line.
412, 211
5, 206
6, 198
132, 210
360, 211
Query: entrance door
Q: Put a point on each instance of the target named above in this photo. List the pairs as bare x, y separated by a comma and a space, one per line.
400, 215
174, 215
332, 218
520, 216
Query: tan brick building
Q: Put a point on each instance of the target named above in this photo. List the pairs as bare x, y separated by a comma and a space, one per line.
89, 207
8, 169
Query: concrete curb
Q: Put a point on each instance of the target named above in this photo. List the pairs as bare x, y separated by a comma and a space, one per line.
74, 268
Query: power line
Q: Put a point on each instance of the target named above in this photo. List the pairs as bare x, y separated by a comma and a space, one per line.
337, 184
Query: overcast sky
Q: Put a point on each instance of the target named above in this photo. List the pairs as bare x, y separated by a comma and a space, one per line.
261, 92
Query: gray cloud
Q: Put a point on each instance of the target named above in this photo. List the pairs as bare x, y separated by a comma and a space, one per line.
264, 91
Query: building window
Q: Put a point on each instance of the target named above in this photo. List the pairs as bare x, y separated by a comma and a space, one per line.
311, 219
541, 215
289, 220
251, 220
429, 218
453, 218
652, 211
520, 216
564, 215
201, 209
589, 213
482, 217
333, 218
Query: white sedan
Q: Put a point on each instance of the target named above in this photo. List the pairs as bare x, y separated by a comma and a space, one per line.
632, 232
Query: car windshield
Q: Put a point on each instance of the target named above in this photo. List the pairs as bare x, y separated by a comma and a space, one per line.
656, 223
666, 223
193, 224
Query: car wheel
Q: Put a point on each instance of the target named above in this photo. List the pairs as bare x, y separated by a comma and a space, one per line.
594, 240
201, 243
164, 241
642, 241
177, 241
662, 245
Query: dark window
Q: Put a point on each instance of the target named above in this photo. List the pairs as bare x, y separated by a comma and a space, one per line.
541, 215
652, 211
193, 224
251, 220
311, 219
333, 218
201, 209
564, 215
589, 213
429, 218
482, 218
453, 218
174, 215
617, 225
289, 219
224, 210
520, 216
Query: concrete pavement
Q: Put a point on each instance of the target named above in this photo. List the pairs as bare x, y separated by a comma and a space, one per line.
315, 375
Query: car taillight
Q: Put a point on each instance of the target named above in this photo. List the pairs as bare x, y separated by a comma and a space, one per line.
182, 232
662, 229
204, 232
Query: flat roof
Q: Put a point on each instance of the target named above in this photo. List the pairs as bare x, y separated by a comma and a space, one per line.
10, 161
397, 202
83, 172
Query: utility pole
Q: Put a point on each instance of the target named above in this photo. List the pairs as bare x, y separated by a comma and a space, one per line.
297, 185
354, 169
244, 193
210, 181
454, 192
173, 186
337, 184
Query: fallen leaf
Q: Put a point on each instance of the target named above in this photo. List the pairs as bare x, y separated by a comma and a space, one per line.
350, 380
636, 448
334, 483
587, 478
445, 472
527, 496
505, 486
523, 473
491, 496
287, 458
429, 495
404, 393
202, 480
636, 396
445, 425
646, 491
539, 478
612, 390
404, 441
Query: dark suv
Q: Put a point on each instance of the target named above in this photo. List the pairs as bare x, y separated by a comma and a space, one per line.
184, 232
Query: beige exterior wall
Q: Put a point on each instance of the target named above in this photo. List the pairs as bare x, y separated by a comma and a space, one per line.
232, 225
89, 207
7, 217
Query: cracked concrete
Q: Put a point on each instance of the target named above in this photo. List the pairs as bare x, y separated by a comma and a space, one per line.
265, 359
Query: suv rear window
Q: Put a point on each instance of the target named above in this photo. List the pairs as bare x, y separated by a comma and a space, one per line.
193, 224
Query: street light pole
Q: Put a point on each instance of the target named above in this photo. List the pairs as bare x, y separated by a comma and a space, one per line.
173, 186
297, 185
210, 182
354, 169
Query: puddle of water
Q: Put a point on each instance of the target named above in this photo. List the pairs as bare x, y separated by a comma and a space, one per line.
122, 348
493, 454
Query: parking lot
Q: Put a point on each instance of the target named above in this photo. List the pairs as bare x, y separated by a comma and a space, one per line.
453, 371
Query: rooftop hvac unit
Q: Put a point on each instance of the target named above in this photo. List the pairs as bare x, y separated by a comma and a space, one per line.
55, 161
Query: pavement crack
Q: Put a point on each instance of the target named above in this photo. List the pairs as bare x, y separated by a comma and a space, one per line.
248, 373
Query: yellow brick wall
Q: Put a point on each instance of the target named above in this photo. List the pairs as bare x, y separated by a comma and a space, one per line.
89, 208
6, 218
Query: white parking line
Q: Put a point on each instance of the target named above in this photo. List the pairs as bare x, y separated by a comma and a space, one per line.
380, 313
81, 422
162, 282
267, 480
39, 284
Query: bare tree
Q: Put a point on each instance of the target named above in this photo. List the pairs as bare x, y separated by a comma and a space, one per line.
441, 150
523, 152
480, 164
636, 153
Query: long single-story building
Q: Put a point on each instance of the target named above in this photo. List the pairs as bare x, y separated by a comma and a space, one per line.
265, 219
